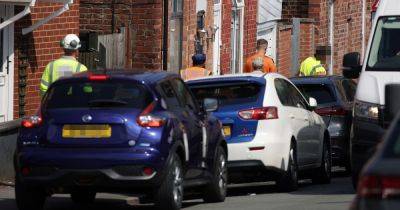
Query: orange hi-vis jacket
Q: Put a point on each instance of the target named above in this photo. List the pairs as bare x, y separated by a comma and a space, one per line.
194, 72
269, 65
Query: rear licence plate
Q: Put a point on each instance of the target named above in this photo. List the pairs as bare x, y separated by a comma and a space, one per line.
227, 130
86, 131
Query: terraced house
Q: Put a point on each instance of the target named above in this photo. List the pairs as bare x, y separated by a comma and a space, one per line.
157, 34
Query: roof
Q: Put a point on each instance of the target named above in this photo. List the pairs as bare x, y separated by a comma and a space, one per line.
149, 77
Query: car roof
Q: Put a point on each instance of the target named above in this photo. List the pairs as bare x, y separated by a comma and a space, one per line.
316, 80
143, 76
258, 77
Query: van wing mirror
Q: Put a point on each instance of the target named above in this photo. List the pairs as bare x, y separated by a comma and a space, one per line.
392, 102
352, 65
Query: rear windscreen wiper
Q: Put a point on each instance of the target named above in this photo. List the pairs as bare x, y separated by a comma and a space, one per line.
106, 103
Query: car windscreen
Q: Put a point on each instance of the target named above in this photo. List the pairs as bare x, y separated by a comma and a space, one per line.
228, 94
385, 49
321, 92
110, 94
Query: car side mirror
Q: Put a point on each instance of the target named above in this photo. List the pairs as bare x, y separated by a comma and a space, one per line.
210, 104
392, 102
313, 103
352, 65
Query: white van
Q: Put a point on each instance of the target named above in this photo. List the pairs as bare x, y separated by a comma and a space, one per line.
380, 68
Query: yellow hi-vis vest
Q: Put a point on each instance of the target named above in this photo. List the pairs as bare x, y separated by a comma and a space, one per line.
64, 67
312, 67
194, 72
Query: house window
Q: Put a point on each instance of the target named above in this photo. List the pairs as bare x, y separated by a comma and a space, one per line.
237, 36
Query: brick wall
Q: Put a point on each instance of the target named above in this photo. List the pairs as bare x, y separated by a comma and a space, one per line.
143, 19
226, 36
249, 36
35, 50
294, 8
284, 49
250, 28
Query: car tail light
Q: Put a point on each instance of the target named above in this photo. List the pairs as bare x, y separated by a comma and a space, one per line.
32, 121
264, 113
146, 119
379, 187
331, 111
98, 77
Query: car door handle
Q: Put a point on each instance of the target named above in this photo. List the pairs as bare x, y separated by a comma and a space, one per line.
306, 119
292, 117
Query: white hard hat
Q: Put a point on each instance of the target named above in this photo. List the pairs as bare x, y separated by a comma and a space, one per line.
71, 42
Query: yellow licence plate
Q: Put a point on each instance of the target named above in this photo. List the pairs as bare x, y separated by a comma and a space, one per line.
86, 131
227, 130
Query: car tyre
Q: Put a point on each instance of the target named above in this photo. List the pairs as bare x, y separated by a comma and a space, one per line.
27, 197
324, 172
83, 197
216, 191
170, 193
289, 181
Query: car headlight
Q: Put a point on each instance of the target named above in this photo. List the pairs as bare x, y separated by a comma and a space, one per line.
366, 110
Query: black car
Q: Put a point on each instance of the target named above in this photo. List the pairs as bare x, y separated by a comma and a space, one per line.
335, 95
379, 182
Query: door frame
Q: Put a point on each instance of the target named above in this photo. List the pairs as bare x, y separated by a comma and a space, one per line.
8, 58
217, 38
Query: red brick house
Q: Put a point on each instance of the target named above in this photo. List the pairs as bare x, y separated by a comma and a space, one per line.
23, 57
332, 27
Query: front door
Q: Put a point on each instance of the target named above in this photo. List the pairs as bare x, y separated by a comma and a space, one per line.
6, 64
217, 38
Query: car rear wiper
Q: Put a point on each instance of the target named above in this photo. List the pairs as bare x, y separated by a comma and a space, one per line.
106, 103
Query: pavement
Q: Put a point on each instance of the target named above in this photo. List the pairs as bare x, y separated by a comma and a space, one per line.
263, 196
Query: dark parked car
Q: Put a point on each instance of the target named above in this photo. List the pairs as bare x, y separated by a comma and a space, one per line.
143, 134
335, 95
379, 182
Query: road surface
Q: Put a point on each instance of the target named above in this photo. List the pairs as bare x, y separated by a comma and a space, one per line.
335, 196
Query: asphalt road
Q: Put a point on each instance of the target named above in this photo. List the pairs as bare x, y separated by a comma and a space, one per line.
335, 196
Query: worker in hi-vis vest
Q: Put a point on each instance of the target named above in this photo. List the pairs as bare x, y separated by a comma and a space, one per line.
66, 66
312, 66
198, 70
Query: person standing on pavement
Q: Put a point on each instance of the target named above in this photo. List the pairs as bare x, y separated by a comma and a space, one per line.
312, 66
65, 66
197, 70
268, 63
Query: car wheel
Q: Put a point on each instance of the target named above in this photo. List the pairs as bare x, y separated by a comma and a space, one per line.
170, 193
216, 190
83, 197
324, 172
29, 198
289, 181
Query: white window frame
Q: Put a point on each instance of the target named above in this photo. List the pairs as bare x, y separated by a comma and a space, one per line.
237, 5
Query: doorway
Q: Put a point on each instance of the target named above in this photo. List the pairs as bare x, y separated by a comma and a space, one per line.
6, 64
217, 38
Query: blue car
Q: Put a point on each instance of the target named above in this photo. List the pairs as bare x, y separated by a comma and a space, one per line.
138, 133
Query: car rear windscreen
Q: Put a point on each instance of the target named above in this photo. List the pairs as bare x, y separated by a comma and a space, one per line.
321, 93
110, 94
229, 94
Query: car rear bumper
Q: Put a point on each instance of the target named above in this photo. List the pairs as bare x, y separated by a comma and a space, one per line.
100, 169
375, 204
270, 150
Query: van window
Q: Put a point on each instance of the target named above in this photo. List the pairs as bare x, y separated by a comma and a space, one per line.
385, 48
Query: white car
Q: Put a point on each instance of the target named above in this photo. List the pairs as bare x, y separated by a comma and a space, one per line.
271, 129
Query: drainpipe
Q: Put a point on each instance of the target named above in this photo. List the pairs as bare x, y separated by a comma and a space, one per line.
112, 16
331, 33
165, 37
363, 22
